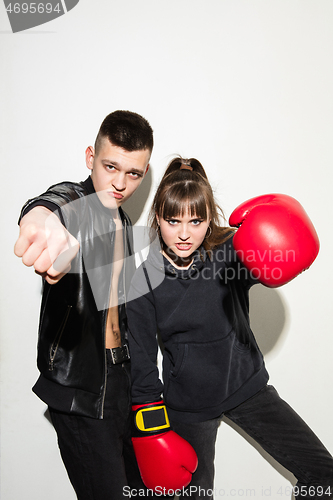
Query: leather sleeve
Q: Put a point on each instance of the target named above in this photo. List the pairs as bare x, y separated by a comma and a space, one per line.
55, 199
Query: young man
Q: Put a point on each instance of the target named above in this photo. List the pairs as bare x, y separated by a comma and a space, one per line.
79, 239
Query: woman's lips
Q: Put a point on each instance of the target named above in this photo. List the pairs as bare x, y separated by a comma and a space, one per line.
184, 246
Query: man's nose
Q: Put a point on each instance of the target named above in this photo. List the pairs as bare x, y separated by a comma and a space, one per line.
119, 182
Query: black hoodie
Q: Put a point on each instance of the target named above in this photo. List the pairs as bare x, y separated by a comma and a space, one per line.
211, 361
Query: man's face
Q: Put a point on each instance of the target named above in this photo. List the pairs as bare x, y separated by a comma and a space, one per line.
116, 173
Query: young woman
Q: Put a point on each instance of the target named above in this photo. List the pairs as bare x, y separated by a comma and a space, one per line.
193, 290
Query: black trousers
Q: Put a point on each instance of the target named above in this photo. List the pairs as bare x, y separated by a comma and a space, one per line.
273, 424
98, 454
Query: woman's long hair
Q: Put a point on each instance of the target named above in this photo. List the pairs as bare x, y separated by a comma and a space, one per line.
185, 186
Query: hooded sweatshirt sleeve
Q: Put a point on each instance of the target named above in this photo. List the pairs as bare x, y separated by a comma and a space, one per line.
142, 337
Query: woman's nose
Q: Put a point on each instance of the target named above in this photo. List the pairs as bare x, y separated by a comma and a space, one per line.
183, 232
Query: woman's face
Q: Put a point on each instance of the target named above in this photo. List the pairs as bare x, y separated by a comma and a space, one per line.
183, 235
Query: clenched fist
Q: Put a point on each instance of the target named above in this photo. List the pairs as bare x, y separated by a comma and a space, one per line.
46, 244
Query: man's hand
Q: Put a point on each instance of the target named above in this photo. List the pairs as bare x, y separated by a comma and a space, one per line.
46, 244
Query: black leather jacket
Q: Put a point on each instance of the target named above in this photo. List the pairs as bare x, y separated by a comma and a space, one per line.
71, 342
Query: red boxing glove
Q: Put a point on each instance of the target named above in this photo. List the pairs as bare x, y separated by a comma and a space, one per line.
164, 458
276, 239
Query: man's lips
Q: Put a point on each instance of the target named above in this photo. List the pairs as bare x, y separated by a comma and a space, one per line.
116, 195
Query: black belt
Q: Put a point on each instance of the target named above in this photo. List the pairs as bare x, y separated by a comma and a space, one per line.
118, 354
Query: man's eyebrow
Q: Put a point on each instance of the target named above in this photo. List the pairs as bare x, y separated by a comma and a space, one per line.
117, 164
107, 160
136, 171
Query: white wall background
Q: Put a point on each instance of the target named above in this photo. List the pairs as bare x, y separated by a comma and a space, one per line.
243, 85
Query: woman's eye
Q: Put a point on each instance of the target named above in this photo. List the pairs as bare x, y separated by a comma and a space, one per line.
196, 222
172, 222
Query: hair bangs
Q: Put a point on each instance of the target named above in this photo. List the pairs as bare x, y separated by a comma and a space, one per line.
181, 199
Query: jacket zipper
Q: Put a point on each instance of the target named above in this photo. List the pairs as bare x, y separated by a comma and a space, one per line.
55, 345
125, 252
104, 333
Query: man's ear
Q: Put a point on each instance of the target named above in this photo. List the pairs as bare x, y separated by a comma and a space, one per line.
147, 168
90, 154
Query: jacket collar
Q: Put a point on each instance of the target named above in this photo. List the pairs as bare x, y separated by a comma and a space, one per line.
88, 184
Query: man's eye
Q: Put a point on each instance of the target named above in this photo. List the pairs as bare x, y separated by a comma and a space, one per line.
110, 167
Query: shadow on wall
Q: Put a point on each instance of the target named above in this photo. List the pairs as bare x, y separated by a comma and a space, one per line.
268, 316
136, 204
279, 468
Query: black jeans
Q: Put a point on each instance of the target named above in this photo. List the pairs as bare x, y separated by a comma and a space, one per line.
98, 454
273, 424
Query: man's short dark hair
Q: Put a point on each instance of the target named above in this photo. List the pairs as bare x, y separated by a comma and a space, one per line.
126, 130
